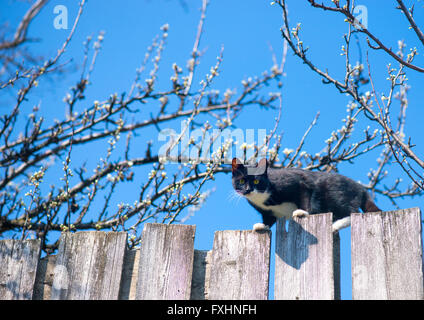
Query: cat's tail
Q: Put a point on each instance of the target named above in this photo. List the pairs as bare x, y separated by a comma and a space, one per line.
368, 204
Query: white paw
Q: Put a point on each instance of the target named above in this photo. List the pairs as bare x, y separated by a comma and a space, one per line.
260, 227
299, 213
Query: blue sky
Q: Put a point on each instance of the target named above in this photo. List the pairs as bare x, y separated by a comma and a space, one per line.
246, 29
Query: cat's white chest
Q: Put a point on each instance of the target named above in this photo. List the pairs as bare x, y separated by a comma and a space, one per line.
284, 209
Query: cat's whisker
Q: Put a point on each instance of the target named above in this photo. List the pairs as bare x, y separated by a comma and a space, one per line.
234, 196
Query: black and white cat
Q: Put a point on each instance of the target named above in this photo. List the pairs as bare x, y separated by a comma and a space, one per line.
281, 192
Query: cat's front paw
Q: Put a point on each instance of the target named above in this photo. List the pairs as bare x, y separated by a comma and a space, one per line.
260, 227
299, 213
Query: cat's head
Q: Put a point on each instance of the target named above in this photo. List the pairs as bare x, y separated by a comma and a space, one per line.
247, 179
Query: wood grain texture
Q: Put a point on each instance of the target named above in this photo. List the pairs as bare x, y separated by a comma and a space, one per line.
44, 279
239, 265
304, 261
200, 270
166, 262
89, 266
387, 260
18, 268
129, 275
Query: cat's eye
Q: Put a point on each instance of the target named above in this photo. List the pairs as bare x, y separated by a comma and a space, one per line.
241, 181
256, 181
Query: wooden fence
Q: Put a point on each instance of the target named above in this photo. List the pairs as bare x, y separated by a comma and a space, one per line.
387, 262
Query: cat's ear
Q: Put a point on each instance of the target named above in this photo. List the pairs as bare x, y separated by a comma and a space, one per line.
236, 165
263, 163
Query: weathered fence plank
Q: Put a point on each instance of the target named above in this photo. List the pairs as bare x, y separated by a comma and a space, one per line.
239, 265
89, 266
306, 259
200, 279
166, 262
44, 278
18, 267
387, 260
129, 275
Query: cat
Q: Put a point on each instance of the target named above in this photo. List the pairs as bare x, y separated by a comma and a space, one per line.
282, 192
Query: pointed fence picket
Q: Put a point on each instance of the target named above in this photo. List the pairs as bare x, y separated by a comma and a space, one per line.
387, 262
